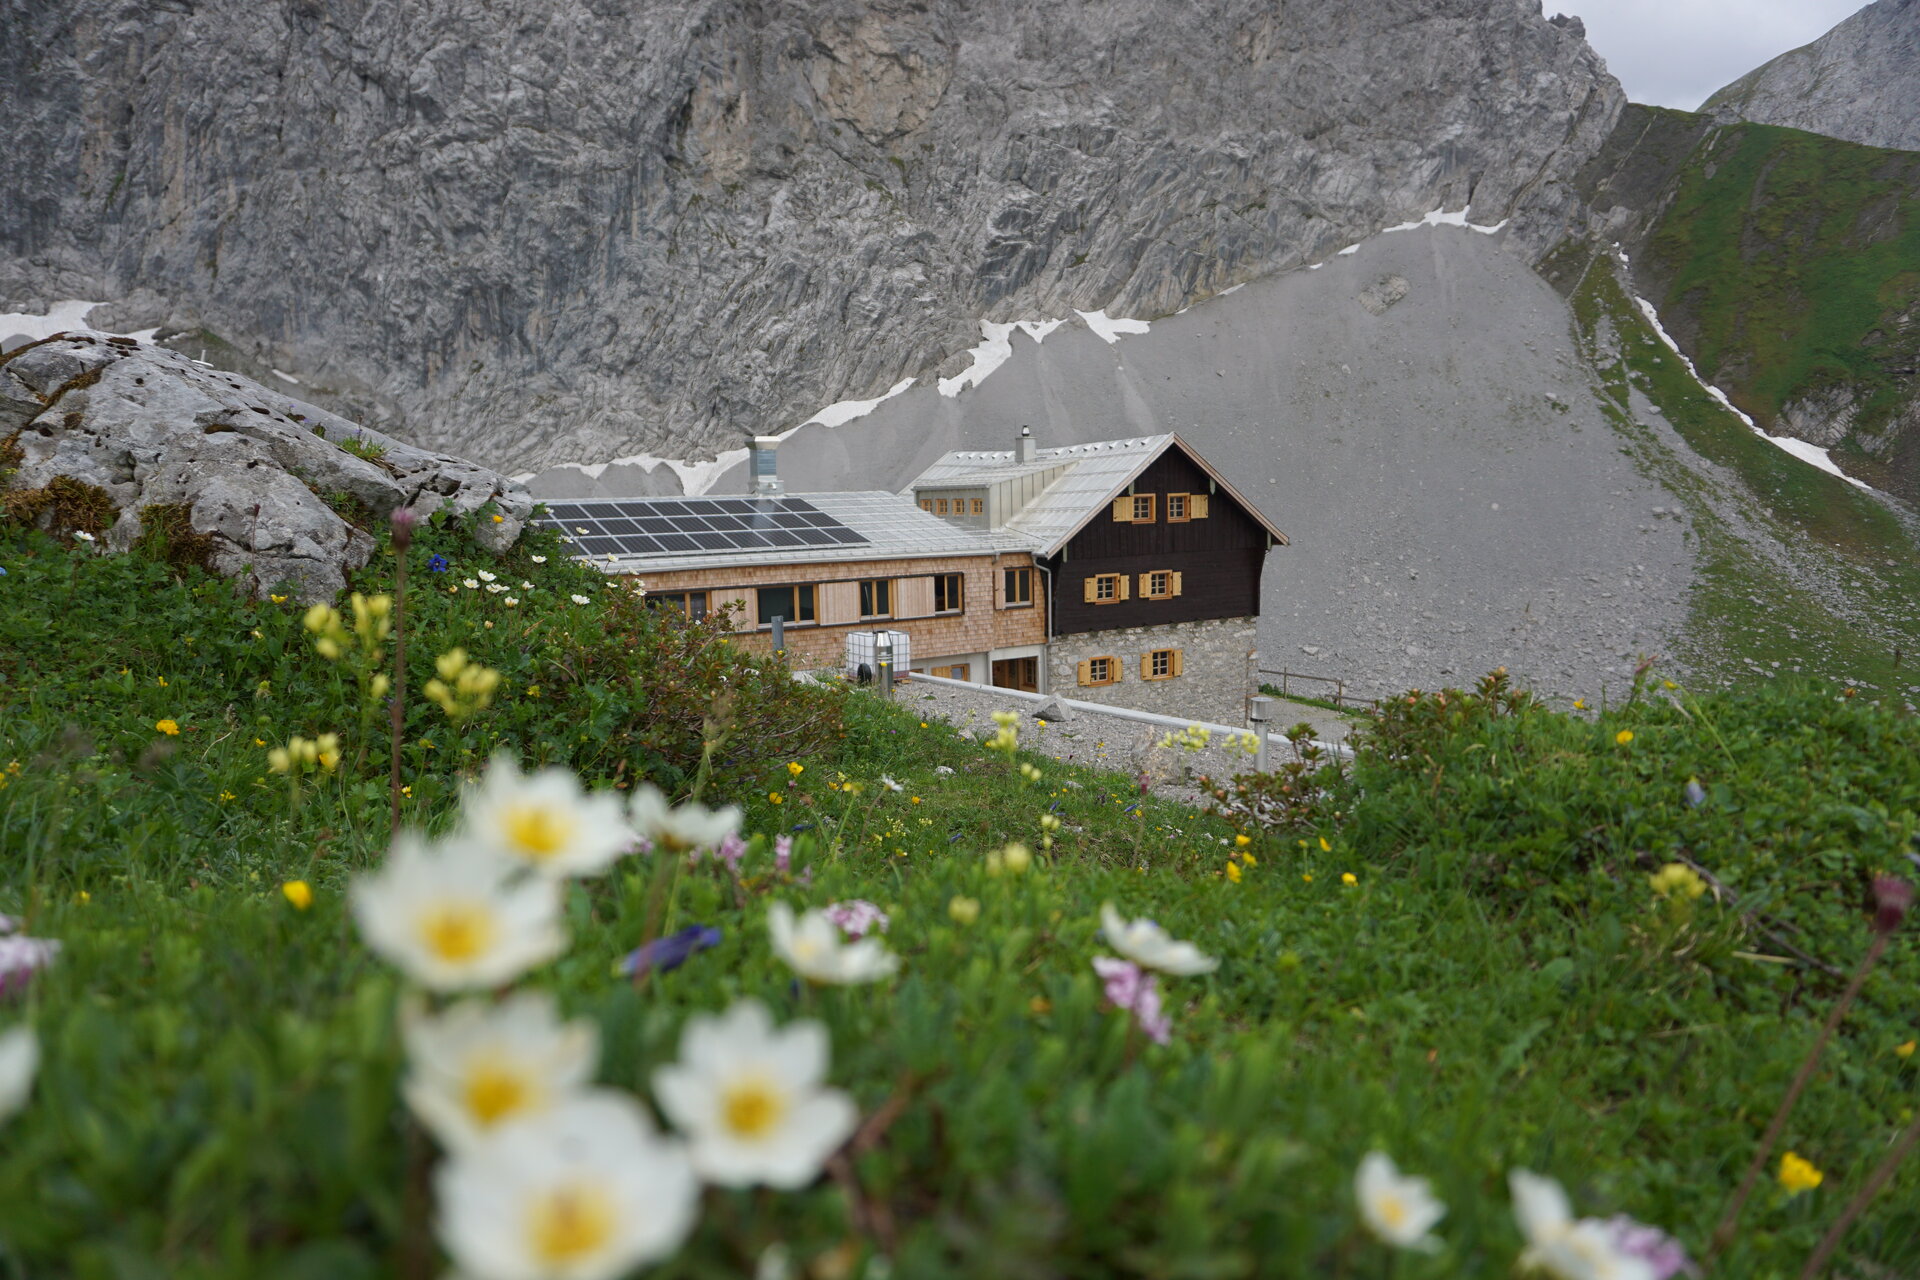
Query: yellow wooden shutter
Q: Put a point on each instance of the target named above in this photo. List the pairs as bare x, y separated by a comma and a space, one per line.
1178, 665
1123, 508
1087, 587
1126, 587
1146, 585
1176, 582
1197, 506
1086, 672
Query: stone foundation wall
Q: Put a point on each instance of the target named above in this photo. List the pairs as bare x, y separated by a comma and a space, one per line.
1215, 669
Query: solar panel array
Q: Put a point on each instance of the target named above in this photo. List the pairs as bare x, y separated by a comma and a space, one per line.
685, 526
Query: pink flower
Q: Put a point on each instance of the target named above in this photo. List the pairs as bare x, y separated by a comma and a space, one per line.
856, 917
1891, 897
1133, 989
21, 957
782, 854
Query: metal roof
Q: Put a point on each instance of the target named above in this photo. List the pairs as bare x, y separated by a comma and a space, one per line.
1096, 473
877, 526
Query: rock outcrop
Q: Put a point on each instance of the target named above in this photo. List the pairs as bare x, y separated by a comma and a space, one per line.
1860, 82
265, 484
581, 230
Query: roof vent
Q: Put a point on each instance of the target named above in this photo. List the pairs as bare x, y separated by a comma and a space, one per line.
1025, 449
765, 469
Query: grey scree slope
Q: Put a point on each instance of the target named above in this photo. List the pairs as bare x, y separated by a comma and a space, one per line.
531, 232
1446, 517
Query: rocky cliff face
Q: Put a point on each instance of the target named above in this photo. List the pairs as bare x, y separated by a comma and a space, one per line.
562, 229
1860, 82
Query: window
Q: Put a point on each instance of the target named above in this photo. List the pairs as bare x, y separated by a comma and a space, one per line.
1134, 508
948, 592
979, 506
1176, 508
1096, 671
691, 603
939, 506
926, 505
876, 598
958, 671
1105, 588
1019, 588
1159, 584
795, 604
1161, 664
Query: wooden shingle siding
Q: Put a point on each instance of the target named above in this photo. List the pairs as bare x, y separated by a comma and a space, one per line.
1217, 557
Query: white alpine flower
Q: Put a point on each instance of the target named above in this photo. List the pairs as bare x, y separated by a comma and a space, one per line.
545, 820
480, 1065
587, 1191
494, 588
678, 829
538, 559
455, 917
1398, 1209
486, 576
525, 585
510, 602
888, 782
19, 1063
1560, 1245
1147, 944
470, 584
577, 598
84, 536
812, 945
750, 1098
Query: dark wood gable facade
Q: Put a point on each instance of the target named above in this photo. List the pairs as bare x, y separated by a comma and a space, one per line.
1189, 553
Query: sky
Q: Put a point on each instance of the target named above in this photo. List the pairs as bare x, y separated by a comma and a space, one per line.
1673, 53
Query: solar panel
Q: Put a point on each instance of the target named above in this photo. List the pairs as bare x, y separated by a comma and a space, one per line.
678, 526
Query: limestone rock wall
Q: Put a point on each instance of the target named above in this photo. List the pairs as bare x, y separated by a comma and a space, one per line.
545, 230
1860, 82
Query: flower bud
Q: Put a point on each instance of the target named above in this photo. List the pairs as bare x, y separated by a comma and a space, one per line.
1891, 897
403, 520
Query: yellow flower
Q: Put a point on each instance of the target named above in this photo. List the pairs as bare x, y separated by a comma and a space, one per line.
277, 599
1039, 1006
914, 799
167, 727
259, 742
83, 897
1669, 684
1677, 878
923, 724
1324, 846
1623, 737
226, 796
1307, 876
774, 797
1347, 877
299, 893
498, 519
1905, 1050
1579, 704
964, 910
795, 768
1797, 1174
1233, 872
162, 680
1241, 842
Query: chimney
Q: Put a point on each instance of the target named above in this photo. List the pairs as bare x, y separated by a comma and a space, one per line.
1024, 449
765, 465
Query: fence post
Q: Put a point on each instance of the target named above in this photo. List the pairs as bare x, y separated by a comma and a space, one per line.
1258, 715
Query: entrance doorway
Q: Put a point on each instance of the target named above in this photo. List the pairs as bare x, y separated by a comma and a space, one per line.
1017, 673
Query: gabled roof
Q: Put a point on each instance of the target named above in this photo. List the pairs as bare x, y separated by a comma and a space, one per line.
1093, 476
708, 533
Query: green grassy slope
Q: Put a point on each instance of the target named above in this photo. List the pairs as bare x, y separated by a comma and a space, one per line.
1496, 987
1787, 265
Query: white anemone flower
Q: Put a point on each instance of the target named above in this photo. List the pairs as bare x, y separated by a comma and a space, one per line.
479, 1065
577, 598
545, 820
812, 945
1398, 1209
679, 829
1564, 1247
587, 1191
19, 1063
1148, 945
453, 917
887, 781
750, 1099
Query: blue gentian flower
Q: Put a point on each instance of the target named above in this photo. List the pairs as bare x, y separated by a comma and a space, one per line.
670, 952
438, 564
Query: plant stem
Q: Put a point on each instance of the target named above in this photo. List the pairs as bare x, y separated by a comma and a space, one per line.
1723, 1234
1882, 1172
399, 681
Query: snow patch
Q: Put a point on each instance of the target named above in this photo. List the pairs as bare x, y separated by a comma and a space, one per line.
1038, 329
1231, 289
60, 317
695, 477
995, 349
285, 377
1109, 328
1808, 453
1441, 218
846, 411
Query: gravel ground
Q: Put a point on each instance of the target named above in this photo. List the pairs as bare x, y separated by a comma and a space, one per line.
1103, 741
